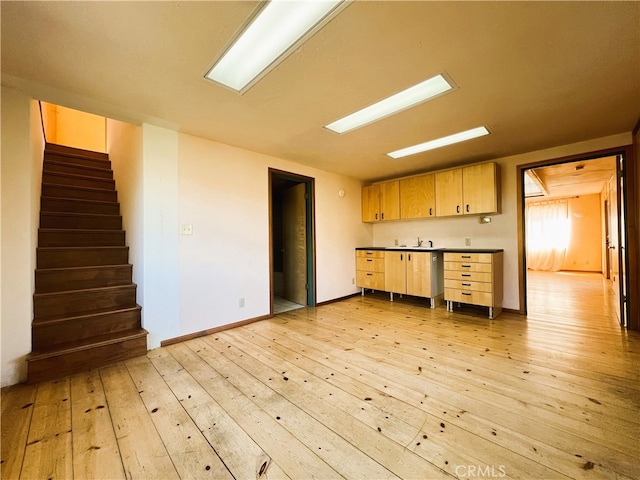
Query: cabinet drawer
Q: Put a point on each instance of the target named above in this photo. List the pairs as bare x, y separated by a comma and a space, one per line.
484, 299
467, 257
468, 267
468, 285
467, 276
372, 280
370, 264
370, 253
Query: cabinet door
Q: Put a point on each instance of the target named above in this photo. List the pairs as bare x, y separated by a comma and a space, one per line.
417, 197
371, 203
390, 200
480, 191
419, 274
449, 193
395, 276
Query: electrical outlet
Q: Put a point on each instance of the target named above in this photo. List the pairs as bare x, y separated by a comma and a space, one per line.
353, 280
186, 230
395, 242
467, 241
241, 302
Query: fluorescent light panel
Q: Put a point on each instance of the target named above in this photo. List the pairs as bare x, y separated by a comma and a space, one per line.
410, 97
275, 31
440, 142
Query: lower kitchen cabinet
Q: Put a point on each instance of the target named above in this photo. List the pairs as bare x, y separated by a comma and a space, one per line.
401, 272
370, 269
474, 278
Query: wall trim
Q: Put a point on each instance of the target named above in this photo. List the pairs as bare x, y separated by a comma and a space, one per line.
339, 299
209, 331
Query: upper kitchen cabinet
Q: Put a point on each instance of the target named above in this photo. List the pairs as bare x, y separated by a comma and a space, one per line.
381, 202
449, 193
469, 190
371, 203
480, 189
417, 197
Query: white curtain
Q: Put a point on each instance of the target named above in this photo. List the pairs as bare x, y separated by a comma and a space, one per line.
548, 231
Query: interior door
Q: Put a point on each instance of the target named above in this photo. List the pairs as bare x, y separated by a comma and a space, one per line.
622, 246
295, 244
614, 264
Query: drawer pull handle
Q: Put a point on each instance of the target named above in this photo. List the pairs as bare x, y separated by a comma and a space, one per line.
369, 253
369, 274
369, 260
465, 266
466, 284
465, 293
466, 274
466, 256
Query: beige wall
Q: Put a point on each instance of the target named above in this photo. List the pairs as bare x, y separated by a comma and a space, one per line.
21, 174
584, 252
74, 128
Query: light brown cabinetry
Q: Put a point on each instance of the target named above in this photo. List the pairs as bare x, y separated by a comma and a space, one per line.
417, 197
381, 202
370, 269
472, 190
474, 278
469, 190
414, 273
371, 203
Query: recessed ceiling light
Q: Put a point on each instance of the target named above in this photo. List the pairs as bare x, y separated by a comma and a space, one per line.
273, 33
440, 142
410, 97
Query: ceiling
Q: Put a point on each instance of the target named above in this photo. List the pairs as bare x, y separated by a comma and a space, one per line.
583, 177
537, 75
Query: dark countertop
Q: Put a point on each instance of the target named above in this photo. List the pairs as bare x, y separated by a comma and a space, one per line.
434, 249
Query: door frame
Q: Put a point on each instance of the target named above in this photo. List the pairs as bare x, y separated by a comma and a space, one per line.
309, 183
630, 204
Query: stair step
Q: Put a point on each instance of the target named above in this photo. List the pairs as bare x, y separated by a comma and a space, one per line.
80, 221
49, 306
80, 238
77, 278
54, 148
86, 354
46, 334
76, 205
52, 166
77, 180
61, 257
81, 193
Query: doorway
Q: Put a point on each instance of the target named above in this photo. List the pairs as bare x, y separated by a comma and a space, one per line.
571, 180
292, 239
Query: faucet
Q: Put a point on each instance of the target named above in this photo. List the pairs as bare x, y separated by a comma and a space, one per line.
430, 244
419, 242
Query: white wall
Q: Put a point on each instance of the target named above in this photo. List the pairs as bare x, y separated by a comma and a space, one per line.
502, 232
160, 286
124, 145
21, 166
223, 194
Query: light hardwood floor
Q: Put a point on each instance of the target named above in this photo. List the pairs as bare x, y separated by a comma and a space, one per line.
362, 388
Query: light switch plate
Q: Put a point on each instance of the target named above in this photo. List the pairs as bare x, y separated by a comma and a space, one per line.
186, 230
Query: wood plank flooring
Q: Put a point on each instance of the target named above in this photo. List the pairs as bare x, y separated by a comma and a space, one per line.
363, 389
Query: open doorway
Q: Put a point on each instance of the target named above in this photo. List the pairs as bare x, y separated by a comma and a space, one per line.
292, 241
572, 227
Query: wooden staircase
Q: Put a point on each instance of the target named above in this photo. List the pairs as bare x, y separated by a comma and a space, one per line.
84, 307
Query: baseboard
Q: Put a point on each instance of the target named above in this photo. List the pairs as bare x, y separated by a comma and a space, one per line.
209, 331
339, 299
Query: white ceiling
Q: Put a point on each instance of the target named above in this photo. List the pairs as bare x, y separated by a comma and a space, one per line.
536, 74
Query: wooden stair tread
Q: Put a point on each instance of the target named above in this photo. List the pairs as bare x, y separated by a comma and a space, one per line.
80, 214
86, 344
76, 231
74, 152
74, 176
79, 200
89, 168
76, 187
84, 267
86, 315
81, 290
